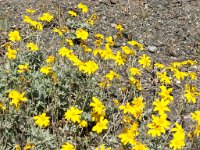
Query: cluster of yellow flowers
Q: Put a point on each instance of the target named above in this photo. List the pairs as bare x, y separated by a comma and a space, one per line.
178, 140
16, 98
90, 60
98, 115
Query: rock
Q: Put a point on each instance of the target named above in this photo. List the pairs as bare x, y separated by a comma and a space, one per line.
152, 49
113, 1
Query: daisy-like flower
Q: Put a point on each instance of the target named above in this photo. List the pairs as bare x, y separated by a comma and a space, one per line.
83, 8
67, 146
135, 43
82, 34
196, 116
23, 68
88, 67
32, 46
135, 71
144, 61
72, 13
73, 114
161, 106
101, 125
98, 106
42, 120
46, 17
50, 59
158, 125
46, 70
14, 36
16, 98
139, 146
11, 54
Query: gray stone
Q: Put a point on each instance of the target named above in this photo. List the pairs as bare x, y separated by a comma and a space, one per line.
152, 49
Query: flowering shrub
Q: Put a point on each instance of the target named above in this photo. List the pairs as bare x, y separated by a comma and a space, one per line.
86, 93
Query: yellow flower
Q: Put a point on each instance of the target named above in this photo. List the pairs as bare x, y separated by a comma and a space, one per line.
138, 101
161, 106
11, 54
119, 27
32, 46
23, 68
27, 19
190, 96
135, 43
46, 70
145, 61
98, 106
46, 17
95, 116
176, 64
136, 83
70, 42
178, 137
111, 75
165, 93
139, 146
158, 125
135, 71
197, 130
37, 25
56, 30
82, 34
127, 50
102, 147
83, 7
159, 65
73, 114
50, 59
92, 19
192, 75
180, 75
110, 41
16, 98
126, 108
98, 42
72, 13
86, 49
128, 134
28, 146
99, 36
196, 116
119, 60
31, 11
164, 78
83, 123
17, 147
89, 67
42, 120
65, 52
101, 125
104, 83
67, 146
14, 36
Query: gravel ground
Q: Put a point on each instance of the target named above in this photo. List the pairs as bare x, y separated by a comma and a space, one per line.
170, 28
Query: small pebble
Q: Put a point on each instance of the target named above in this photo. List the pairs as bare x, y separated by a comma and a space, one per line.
152, 49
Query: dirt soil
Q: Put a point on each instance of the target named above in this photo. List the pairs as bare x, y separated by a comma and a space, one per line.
169, 28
